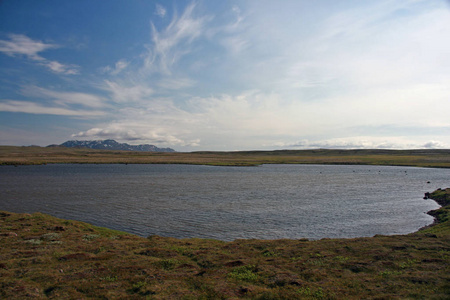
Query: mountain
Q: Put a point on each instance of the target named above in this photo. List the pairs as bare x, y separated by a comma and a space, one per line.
113, 145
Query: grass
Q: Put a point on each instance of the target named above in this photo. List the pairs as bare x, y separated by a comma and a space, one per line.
10, 155
45, 257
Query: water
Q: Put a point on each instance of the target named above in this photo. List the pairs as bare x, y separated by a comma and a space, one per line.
227, 203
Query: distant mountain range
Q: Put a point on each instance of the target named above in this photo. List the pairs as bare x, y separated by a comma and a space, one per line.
112, 145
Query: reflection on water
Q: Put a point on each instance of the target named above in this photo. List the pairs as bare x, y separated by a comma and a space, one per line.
267, 202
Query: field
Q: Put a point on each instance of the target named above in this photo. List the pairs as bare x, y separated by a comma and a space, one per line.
44, 257
37, 155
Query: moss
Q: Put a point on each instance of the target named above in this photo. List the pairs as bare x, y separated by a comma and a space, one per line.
244, 273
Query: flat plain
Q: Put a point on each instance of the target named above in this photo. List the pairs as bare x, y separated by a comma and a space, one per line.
10, 155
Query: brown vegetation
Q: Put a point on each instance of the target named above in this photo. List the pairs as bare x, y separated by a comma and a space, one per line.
37, 155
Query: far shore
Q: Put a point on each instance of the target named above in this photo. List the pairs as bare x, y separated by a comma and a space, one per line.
437, 158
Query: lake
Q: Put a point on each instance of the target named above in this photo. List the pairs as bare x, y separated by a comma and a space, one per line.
227, 203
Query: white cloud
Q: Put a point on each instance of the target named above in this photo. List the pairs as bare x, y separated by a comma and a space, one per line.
358, 46
56, 103
265, 75
125, 93
371, 53
435, 145
35, 108
254, 119
119, 66
61, 68
160, 10
201, 120
174, 41
22, 45
129, 132
65, 98
237, 23
333, 85
116, 133
233, 35
175, 83
363, 142
235, 45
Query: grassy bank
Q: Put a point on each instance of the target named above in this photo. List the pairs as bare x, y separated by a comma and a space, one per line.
46, 257
37, 155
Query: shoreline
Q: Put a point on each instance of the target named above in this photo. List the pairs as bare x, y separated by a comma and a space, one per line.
46, 257
440, 196
439, 158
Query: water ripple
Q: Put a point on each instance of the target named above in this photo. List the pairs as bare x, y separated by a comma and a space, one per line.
272, 201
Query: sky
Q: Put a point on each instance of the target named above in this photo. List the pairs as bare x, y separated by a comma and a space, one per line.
226, 75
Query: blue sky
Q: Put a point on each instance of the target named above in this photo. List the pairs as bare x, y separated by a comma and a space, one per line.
226, 75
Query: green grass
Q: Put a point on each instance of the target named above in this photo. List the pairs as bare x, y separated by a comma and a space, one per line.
45, 257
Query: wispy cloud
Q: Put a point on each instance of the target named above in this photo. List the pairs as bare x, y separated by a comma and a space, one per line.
233, 35
168, 47
19, 44
160, 10
51, 102
35, 108
65, 98
119, 66
60, 68
175, 83
22, 45
175, 40
128, 92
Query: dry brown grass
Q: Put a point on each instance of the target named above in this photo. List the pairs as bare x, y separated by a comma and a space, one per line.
37, 155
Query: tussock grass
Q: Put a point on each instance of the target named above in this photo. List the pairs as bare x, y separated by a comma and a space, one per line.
45, 257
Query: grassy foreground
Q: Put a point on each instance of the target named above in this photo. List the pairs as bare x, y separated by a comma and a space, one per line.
46, 257
10, 155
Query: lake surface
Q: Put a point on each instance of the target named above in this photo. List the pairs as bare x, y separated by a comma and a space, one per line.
227, 203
